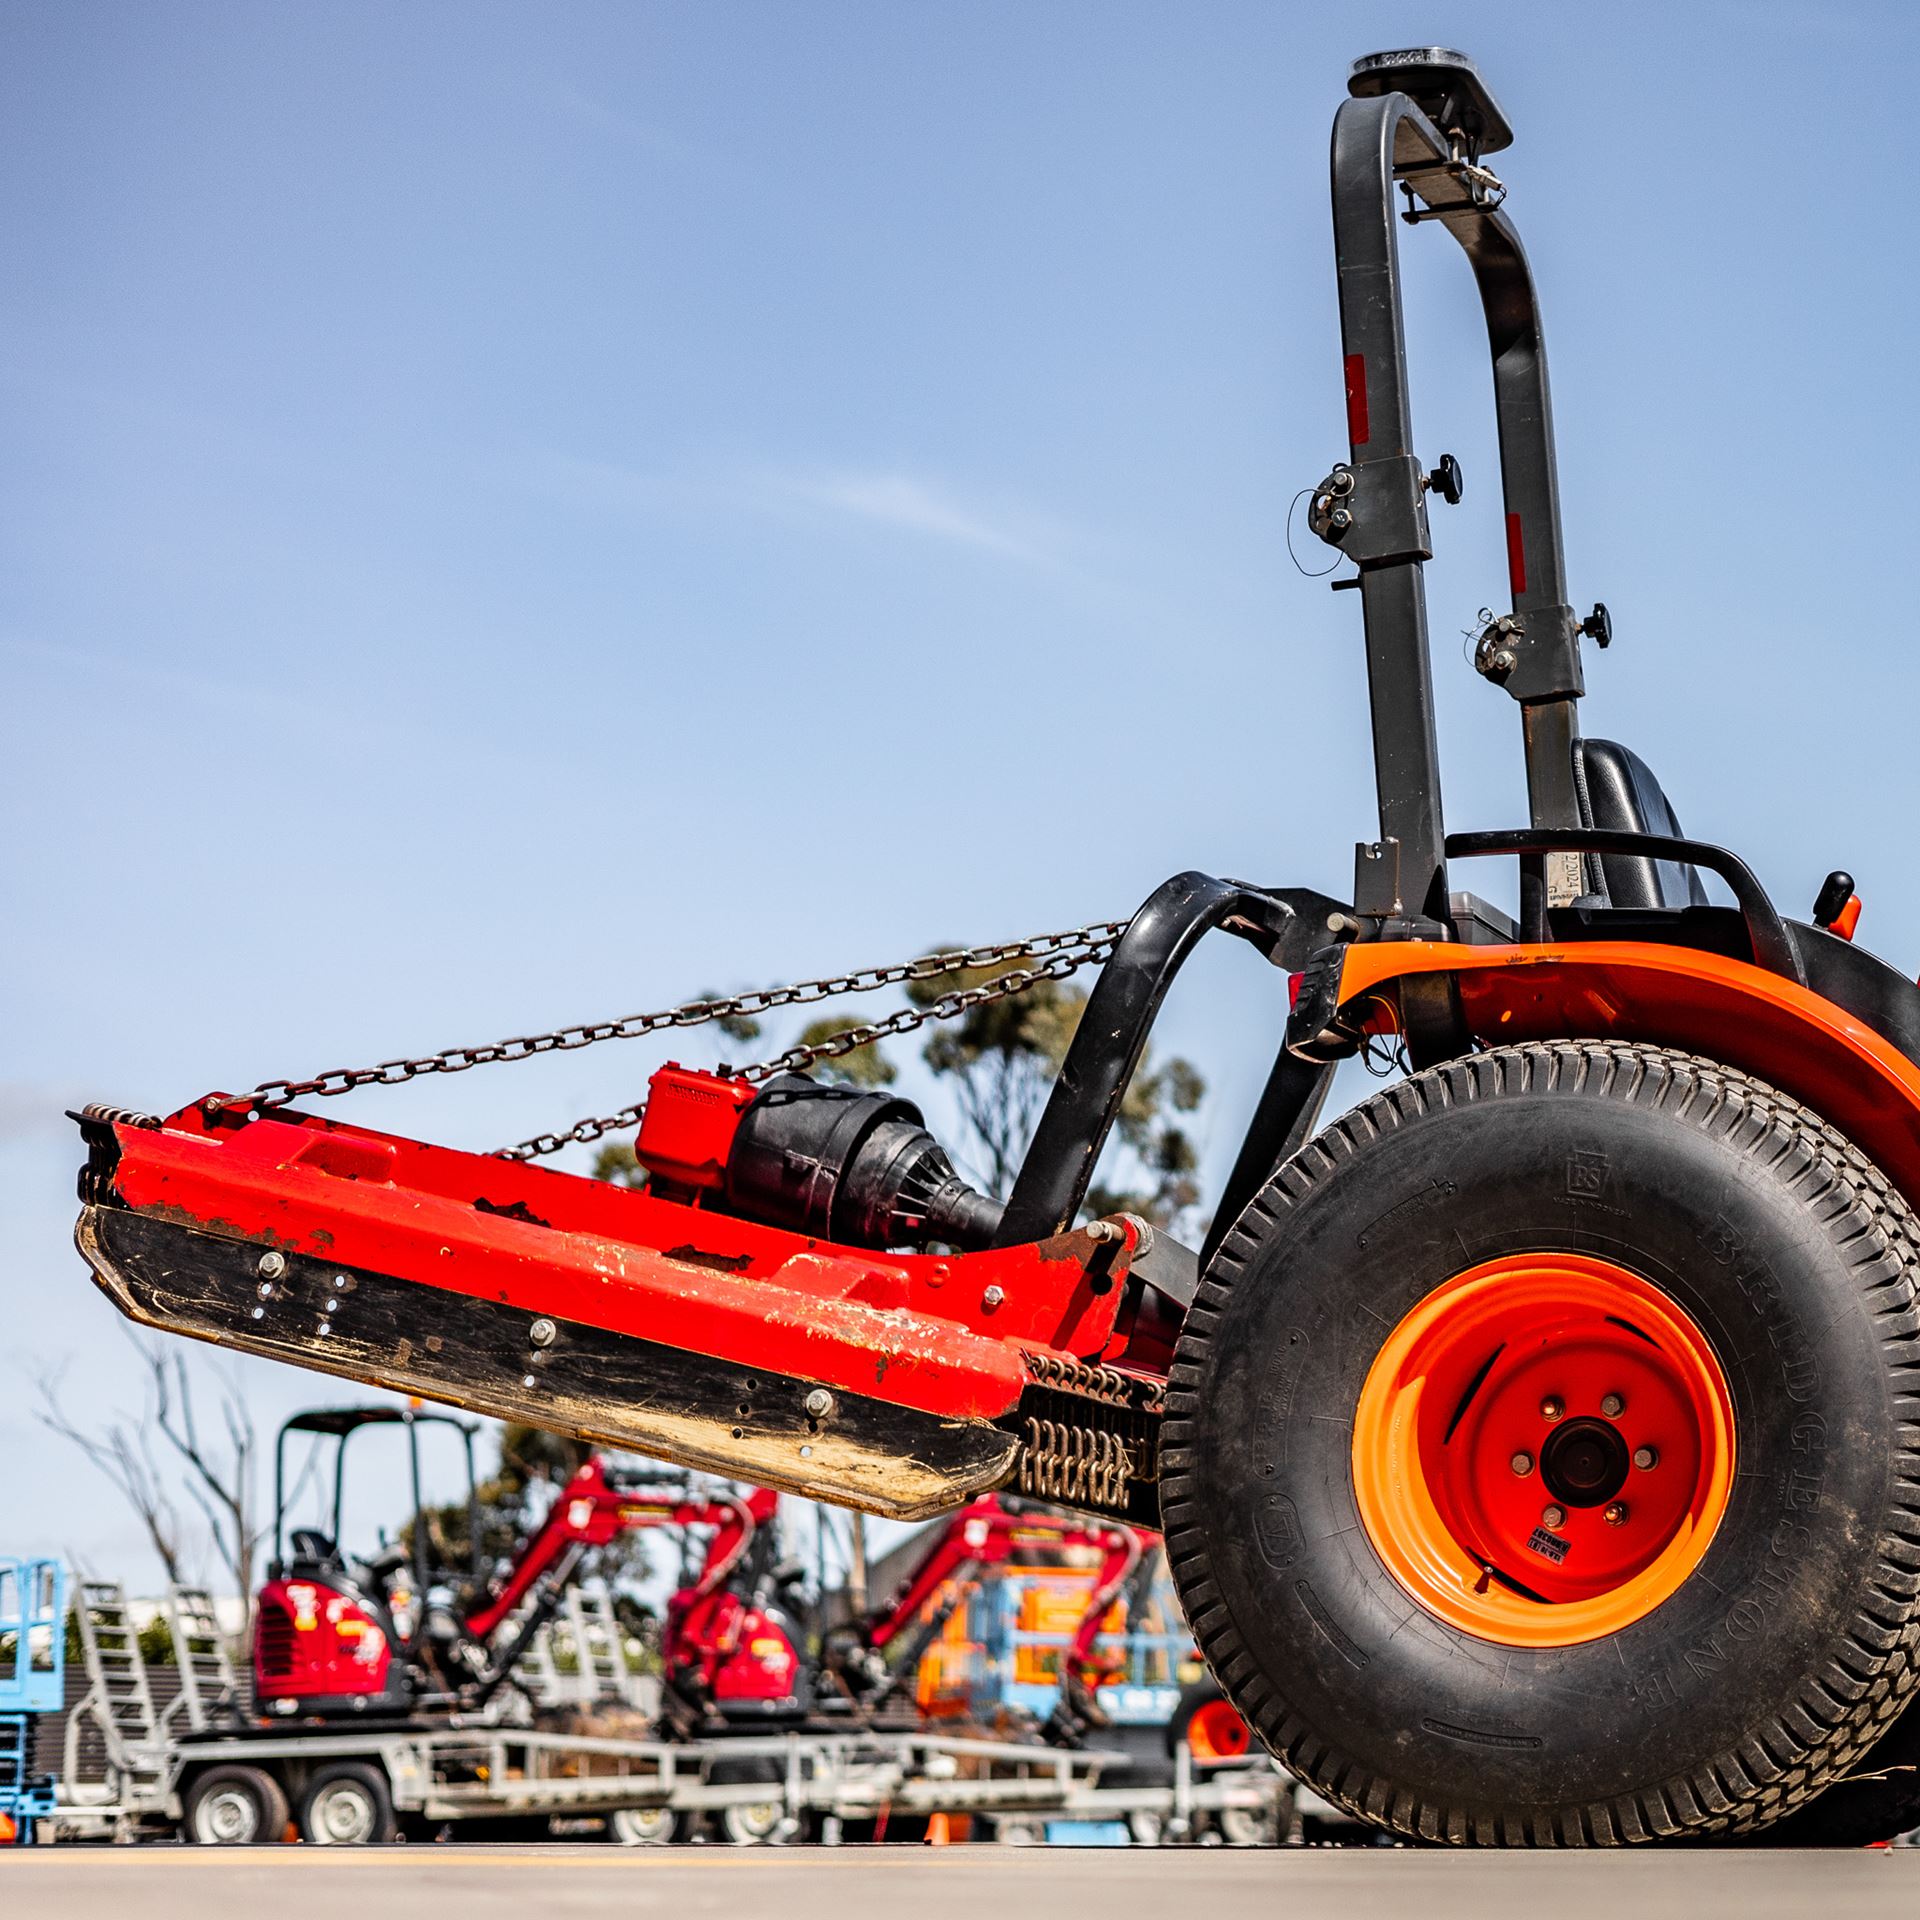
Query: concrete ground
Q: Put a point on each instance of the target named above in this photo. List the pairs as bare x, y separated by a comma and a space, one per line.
962, 1883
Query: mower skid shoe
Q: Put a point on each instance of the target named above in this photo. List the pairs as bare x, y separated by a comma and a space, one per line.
612, 1389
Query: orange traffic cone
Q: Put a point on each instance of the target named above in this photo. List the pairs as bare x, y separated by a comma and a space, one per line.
938, 1833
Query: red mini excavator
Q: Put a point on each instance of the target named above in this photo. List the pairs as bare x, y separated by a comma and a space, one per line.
391, 1636
1537, 1446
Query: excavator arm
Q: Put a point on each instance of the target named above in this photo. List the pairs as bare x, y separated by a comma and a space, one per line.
594, 1509
991, 1532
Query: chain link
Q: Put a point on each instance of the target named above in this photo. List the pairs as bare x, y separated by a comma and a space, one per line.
1061, 954
1065, 954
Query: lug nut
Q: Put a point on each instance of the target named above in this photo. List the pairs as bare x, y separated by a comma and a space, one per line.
1645, 1457
1553, 1517
819, 1404
1522, 1463
1552, 1407
272, 1265
542, 1333
1613, 1406
1615, 1513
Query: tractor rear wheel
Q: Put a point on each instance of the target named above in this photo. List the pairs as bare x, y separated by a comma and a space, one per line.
1534, 1469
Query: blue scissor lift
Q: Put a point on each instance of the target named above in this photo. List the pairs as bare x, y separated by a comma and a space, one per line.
33, 1659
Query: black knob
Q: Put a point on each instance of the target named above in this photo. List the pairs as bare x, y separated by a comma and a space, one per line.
1446, 480
1830, 902
1598, 625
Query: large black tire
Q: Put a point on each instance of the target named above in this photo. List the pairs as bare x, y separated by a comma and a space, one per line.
1789, 1649
234, 1807
347, 1804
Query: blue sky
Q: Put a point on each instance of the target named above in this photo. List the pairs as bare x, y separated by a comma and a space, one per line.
514, 514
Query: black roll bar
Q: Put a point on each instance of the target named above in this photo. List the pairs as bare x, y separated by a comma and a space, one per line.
1383, 143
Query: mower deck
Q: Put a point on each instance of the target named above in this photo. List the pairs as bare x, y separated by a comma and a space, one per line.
900, 1383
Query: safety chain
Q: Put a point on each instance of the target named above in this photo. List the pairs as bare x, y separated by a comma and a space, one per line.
1061, 954
1066, 954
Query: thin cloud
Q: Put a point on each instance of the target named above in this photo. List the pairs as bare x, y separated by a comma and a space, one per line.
889, 498
915, 506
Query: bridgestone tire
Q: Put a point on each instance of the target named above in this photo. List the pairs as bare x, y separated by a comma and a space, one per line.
235, 1807
347, 1804
1789, 1649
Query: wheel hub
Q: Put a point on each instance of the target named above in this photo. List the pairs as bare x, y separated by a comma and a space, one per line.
1584, 1462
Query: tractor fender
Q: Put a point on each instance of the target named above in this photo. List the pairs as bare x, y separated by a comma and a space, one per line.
1701, 1003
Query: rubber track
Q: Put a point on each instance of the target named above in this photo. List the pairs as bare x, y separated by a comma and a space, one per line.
1841, 1711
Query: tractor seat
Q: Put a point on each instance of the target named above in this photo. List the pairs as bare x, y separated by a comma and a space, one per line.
311, 1547
1618, 792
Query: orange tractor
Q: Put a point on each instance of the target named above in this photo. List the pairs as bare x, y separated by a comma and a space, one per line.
1537, 1445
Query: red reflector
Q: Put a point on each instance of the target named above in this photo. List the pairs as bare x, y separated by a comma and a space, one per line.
1357, 427
1516, 554
1847, 918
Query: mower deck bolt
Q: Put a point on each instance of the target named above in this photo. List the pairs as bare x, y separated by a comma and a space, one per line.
1522, 1463
1645, 1457
1613, 1406
1553, 1517
1552, 1407
1614, 1513
993, 1297
272, 1265
819, 1404
542, 1333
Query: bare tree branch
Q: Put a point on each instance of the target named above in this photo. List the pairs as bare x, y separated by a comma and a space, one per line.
221, 1488
118, 1454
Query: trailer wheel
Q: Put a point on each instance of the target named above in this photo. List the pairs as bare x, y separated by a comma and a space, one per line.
347, 1804
643, 1826
235, 1807
754, 1823
1534, 1468
1208, 1724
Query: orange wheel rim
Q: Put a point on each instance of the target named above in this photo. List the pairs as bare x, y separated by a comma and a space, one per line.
1543, 1449
1217, 1732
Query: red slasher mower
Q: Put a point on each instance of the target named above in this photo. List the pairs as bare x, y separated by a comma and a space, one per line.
1536, 1445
